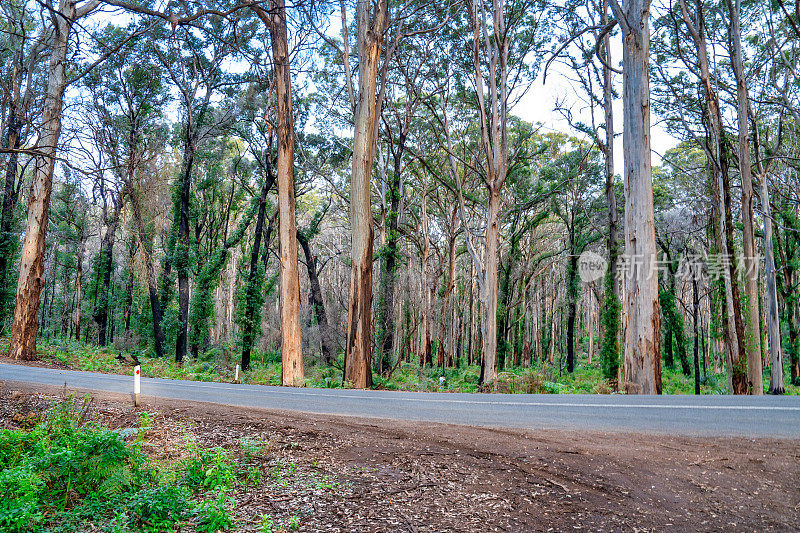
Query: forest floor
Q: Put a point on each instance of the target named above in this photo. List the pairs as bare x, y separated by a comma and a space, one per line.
218, 365
327, 473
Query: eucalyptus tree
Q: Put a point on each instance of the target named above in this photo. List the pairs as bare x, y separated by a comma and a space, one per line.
502, 39
588, 29
255, 128
291, 347
643, 329
126, 97
194, 60
22, 344
412, 64
24, 37
372, 20
219, 220
314, 268
775, 116
70, 221
752, 325
695, 102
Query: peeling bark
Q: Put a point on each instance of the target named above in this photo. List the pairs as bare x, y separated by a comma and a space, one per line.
22, 344
643, 326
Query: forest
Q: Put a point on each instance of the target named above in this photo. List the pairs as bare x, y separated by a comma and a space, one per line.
347, 194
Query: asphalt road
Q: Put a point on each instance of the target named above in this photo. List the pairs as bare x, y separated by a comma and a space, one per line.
744, 416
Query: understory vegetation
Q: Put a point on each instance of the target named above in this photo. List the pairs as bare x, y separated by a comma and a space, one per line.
67, 473
219, 366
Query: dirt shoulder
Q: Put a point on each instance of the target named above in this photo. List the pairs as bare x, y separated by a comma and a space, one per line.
355, 474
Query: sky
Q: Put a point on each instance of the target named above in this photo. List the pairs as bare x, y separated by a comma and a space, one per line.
538, 105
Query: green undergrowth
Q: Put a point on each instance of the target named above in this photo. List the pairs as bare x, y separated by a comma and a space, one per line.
68, 474
218, 365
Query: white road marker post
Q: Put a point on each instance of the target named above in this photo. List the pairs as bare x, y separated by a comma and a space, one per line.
137, 384
236, 375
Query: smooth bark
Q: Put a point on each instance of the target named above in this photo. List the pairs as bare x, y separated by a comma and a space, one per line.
752, 339
358, 347
643, 326
771, 297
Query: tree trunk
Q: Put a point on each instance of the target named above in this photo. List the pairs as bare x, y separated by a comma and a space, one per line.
589, 326
572, 304
328, 351
358, 347
390, 256
643, 328
734, 330
248, 327
106, 266
696, 316
737, 362
22, 344
152, 288
773, 322
78, 292
610, 313
472, 318
669, 357
752, 325
425, 355
7, 239
181, 259
126, 311
489, 300
292, 346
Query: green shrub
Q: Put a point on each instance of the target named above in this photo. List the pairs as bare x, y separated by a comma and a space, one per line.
19, 507
62, 465
208, 468
158, 508
214, 515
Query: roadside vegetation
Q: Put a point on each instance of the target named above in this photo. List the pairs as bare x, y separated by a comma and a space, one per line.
218, 365
64, 471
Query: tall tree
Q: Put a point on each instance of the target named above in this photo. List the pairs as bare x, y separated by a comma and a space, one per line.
22, 344
291, 346
717, 150
25, 43
752, 339
643, 327
371, 23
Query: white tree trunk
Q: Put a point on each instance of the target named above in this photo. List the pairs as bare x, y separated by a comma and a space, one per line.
773, 323
643, 326
752, 340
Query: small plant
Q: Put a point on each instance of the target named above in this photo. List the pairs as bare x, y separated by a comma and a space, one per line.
253, 477
158, 508
214, 515
294, 523
326, 483
208, 468
145, 424
267, 524
250, 449
284, 470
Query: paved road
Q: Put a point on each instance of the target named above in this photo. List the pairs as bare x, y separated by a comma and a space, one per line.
766, 416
